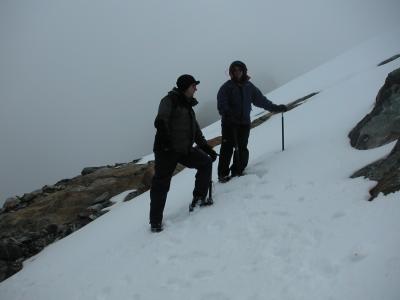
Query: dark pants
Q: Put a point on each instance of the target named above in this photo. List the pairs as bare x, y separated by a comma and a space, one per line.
165, 164
233, 135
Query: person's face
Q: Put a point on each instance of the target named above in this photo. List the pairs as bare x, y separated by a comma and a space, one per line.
191, 90
237, 73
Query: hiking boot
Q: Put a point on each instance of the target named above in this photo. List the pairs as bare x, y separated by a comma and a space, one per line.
224, 179
206, 201
156, 227
194, 203
237, 174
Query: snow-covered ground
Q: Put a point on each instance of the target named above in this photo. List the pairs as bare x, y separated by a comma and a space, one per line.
295, 227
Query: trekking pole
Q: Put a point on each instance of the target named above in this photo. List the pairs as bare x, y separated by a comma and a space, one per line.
236, 155
283, 133
210, 199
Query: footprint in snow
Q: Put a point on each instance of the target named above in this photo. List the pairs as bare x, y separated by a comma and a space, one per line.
215, 296
202, 274
339, 214
177, 284
357, 256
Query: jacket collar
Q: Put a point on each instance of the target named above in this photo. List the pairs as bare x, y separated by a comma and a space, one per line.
182, 98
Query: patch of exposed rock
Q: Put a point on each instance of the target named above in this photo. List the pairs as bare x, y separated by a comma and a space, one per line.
34, 220
379, 127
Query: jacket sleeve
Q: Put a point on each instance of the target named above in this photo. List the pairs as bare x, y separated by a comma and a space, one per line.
199, 137
162, 120
259, 100
223, 101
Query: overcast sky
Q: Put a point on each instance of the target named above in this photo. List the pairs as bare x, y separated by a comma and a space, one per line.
80, 81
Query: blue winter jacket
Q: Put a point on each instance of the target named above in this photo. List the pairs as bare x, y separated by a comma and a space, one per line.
234, 101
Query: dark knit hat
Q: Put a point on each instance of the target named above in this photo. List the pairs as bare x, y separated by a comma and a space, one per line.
238, 64
242, 66
184, 81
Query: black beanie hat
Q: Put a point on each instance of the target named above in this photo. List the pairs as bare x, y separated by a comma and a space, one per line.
242, 66
239, 64
184, 81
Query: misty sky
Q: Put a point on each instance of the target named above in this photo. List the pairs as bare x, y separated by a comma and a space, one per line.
80, 81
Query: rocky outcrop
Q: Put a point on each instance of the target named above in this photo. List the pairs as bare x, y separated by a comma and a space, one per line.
379, 127
385, 171
382, 124
31, 222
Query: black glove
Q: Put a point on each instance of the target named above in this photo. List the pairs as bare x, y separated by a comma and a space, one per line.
281, 108
213, 155
210, 151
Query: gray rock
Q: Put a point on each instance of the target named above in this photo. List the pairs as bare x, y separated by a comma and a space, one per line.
132, 195
90, 170
8, 269
30, 196
380, 127
9, 250
382, 124
51, 188
102, 198
95, 208
11, 203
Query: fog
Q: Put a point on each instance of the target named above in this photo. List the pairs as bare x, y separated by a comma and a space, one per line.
80, 81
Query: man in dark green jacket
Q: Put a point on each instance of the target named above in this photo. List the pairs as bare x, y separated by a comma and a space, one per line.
177, 131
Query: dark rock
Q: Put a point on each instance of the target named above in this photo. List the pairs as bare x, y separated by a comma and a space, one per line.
380, 127
10, 250
90, 170
8, 269
63, 182
389, 60
132, 195
382, 124
51, 188
52, 228
95, 208
29, 197
3, 270
102, 198
11, 203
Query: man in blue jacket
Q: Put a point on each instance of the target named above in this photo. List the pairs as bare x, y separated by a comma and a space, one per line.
235, 98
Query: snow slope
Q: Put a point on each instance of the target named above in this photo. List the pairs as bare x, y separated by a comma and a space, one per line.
295, 227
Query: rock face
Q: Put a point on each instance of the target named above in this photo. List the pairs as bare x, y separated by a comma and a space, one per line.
31, 222
382, 124
379, 127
